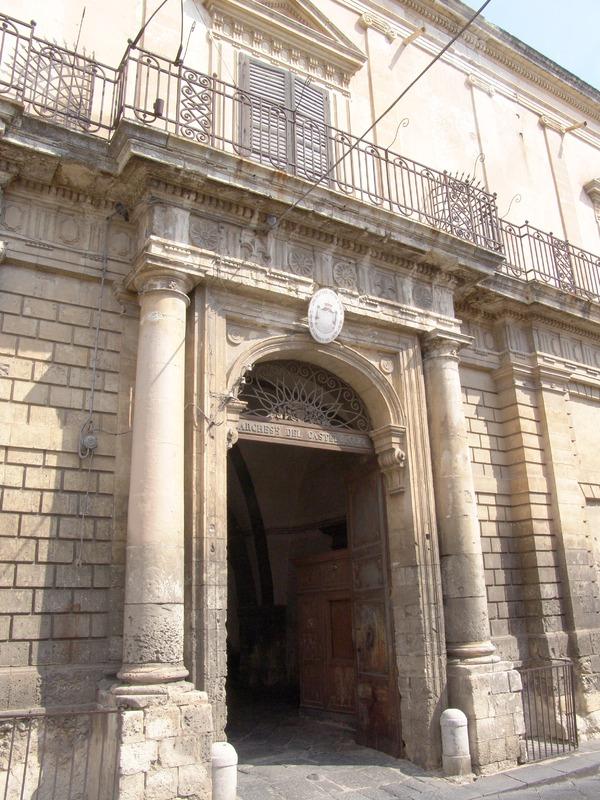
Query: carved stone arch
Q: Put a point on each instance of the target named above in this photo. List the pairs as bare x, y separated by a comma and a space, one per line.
378, 395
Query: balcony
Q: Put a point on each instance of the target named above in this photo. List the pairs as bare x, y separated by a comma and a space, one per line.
82, 94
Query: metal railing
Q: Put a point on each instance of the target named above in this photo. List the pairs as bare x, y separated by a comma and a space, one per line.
80, 93
549, 710
210, 111
54, 82
58, 755
533, 255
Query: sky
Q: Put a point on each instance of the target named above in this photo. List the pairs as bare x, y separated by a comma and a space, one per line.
566, 31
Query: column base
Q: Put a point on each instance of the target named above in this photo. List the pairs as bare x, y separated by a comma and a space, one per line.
490, 696
473, 652
163, 739
146, 674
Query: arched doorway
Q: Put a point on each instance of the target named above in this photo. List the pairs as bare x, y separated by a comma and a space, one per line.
308, 615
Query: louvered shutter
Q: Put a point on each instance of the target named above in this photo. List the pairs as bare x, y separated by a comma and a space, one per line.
269, 124
310, 104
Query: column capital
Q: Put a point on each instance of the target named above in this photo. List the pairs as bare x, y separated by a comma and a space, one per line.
444, 344
389, 443
160, 268
170, 281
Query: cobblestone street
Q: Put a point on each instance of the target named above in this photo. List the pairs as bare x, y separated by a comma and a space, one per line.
287, 757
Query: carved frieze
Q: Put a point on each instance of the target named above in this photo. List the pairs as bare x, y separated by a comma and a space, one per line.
15, 216
69, 229
345, 275
484, 339
383, 284
204, 233
47, 226
422, 295
254, 246
301, 261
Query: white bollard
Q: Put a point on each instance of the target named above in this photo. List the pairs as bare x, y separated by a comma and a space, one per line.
456, 756
224, 771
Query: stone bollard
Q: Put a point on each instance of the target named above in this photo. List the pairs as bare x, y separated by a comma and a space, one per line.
456, 756
224, 771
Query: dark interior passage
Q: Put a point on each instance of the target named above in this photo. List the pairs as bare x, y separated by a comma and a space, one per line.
286, 506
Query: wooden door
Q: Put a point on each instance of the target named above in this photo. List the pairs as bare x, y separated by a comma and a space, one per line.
325, 633
378, 707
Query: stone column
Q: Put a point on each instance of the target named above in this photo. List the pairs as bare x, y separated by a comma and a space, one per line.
161, 727
154, 581
465, 597
486, 689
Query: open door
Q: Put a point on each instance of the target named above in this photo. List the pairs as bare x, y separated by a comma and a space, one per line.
378, 707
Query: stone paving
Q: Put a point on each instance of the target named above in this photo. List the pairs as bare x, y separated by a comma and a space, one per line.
284, 756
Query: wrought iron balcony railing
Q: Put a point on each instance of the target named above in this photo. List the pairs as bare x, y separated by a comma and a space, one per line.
533, 255
80, 93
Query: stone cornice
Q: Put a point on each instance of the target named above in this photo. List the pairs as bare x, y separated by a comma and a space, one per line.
485, 38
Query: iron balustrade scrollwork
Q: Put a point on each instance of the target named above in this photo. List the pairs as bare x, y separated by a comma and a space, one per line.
54, 82
78, 92
295, 391
534, 255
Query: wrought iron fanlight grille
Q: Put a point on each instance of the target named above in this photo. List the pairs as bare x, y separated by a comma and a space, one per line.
294, 391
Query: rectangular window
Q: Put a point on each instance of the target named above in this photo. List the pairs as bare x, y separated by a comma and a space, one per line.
284, 119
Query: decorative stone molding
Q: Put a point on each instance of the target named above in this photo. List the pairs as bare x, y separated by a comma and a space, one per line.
127, 299
553, 124
552, 378
442, 344
174, 283
473, 80
386, 365
295, 32
367, 21
593, 190
345, 275
301, 261
389, 443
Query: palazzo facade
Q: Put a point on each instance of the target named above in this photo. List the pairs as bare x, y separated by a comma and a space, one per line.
203, 502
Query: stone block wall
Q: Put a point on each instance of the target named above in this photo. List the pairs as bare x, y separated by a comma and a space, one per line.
490, 696
56, 528
514, 506
163, 736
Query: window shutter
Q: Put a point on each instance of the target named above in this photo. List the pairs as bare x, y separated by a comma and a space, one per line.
268, 89
310, 104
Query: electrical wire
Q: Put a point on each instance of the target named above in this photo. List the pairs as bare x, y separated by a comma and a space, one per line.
88, 427
140, 33
383, 114
180, 50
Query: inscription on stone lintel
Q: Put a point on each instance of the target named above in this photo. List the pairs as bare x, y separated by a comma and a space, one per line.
290, 433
